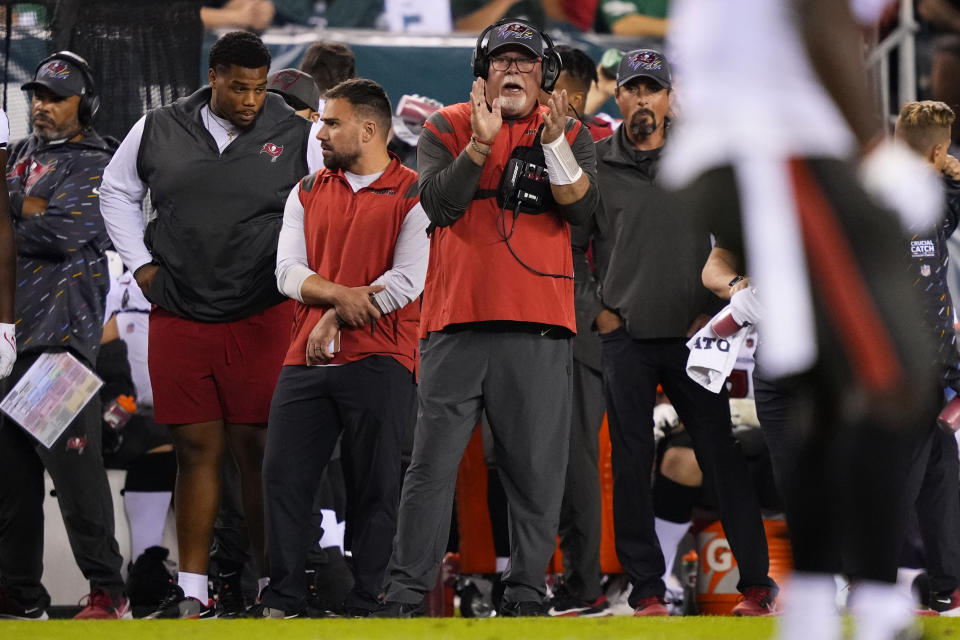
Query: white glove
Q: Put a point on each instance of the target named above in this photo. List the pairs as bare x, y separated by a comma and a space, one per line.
898, 178
665, 418
4, 129
745, 307
8, 348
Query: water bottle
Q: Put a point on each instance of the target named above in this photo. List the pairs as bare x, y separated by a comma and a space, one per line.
119, 411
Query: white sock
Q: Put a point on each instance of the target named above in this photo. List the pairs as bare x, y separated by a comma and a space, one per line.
194, 585
333, 530
146, 515
261, 585
880, 610
810, 609
669, 534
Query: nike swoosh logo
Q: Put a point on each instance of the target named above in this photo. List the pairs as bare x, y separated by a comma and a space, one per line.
565, 612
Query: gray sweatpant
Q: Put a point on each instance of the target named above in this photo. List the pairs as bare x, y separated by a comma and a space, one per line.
523, 381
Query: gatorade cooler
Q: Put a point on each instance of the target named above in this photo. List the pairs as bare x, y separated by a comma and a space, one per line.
717, 574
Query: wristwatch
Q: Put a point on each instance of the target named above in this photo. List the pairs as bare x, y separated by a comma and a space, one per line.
735, 281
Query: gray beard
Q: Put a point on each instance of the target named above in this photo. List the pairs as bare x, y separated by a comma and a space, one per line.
55, 135
512, 106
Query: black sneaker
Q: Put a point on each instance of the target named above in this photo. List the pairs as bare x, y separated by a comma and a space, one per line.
148, 578
329, 580
261, 610
228, 592
11, 609
178, 606
568, 606
946, 604
389, 609
522, 609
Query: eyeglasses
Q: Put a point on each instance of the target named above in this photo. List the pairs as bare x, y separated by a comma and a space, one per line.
524, 65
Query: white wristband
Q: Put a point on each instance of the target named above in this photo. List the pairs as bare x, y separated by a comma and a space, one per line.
561, 163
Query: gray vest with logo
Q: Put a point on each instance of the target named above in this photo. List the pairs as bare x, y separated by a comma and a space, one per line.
218, 216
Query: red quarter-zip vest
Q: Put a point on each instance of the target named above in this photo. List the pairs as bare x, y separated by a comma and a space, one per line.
472, 276
351, 239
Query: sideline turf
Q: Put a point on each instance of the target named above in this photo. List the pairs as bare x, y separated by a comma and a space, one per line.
689, 628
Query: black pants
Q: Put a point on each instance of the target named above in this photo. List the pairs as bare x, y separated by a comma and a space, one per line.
631, 371
580, 515
75, 464
853, 419
370, 402
934, 482
839, 523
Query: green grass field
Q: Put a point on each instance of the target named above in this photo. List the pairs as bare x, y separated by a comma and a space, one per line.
690, 628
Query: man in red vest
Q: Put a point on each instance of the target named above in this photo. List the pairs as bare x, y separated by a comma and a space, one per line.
501, 179
353, 254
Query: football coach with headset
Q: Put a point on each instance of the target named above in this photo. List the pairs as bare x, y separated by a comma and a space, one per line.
53, 177
501, 179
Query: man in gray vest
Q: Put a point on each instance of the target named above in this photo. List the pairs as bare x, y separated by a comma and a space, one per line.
219, 165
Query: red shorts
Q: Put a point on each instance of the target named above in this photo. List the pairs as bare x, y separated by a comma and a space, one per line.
203, 371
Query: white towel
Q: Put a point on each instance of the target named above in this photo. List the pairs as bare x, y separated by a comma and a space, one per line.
712, 358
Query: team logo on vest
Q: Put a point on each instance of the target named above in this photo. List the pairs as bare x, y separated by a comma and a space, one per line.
273, 150
925, 270
515, 30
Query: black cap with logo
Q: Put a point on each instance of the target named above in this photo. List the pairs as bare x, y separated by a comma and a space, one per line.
515, 33
647, 63
296, 87
60, 76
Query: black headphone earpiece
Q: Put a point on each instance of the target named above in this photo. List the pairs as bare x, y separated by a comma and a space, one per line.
90, 100
551, 63
479, 60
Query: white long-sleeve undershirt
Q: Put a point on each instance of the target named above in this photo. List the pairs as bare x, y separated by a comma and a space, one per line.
403, 281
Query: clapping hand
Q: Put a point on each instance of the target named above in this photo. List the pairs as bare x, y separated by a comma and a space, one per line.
486, 122
555, 121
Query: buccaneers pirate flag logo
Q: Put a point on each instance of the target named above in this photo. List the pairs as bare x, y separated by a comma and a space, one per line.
273, 150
